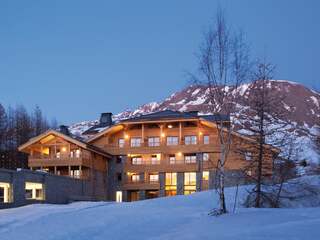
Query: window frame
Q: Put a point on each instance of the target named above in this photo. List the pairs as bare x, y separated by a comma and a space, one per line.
121, 142
172, 140
190, 158
206, 142
136, 142
190, 140
136, 160
152, 142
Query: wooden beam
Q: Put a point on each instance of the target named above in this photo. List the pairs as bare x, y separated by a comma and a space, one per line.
180, 133
142, 133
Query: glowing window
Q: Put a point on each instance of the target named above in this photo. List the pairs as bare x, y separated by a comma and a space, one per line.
205, 156
190, 158
154, 178
171, 179
34, 191
205, 175
5, 192
119, 196
135, 178
137, 160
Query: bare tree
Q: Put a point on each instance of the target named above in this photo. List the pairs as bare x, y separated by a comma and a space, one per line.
223, 65
264, 123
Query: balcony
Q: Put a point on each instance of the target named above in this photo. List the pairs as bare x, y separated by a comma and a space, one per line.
166, 165
51, 161
144, 148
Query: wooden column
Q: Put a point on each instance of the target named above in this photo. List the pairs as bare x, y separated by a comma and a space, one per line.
161, 137
180, 133
41, 149
142, 133
55, 170
69, 170
80, 171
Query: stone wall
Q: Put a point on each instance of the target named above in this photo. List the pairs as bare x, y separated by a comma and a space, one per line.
57, 189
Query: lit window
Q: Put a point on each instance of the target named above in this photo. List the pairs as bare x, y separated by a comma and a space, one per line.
155, 159
206, 139
121, 142
190, 182
190, 178
34, 191
249, 172
154, 178
119, 196
135, 142
190, 140
153, 141
5, 192
205, 175
171, 179
58, 154
171, 141
75, 173
248, 156
137, 160
205, 156
78, 153
172, 159
171, 184
190, 158
135, 178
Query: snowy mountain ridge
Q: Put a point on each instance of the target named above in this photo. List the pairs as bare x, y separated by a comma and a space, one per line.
301, 104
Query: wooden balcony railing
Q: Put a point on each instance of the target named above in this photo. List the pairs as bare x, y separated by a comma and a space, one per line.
167, 165
47, 161
163, 147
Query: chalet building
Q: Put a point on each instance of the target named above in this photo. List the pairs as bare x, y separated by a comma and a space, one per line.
159, 154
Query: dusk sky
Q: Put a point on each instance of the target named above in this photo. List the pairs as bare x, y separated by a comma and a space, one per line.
76, 59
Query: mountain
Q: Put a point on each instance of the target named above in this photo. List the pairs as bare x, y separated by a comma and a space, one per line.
301, 105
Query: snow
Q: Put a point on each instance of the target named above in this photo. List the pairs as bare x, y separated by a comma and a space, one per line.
180, 217
198, 101
315, 100
195, 92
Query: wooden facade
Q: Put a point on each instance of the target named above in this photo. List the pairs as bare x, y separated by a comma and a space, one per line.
151, 151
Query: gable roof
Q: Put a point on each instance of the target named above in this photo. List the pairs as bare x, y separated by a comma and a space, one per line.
162, 116
68, 138
171, 115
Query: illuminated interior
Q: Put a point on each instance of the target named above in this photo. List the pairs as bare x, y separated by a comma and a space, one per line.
190, 181
171, 184
119, 196
34, 191
5, 192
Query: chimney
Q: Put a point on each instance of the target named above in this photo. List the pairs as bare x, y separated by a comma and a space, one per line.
193, 113
106, 119
64, 129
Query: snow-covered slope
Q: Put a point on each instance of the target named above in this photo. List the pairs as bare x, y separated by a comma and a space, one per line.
180, 217
301, 104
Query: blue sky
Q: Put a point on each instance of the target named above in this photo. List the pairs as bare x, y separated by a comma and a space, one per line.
76, 59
